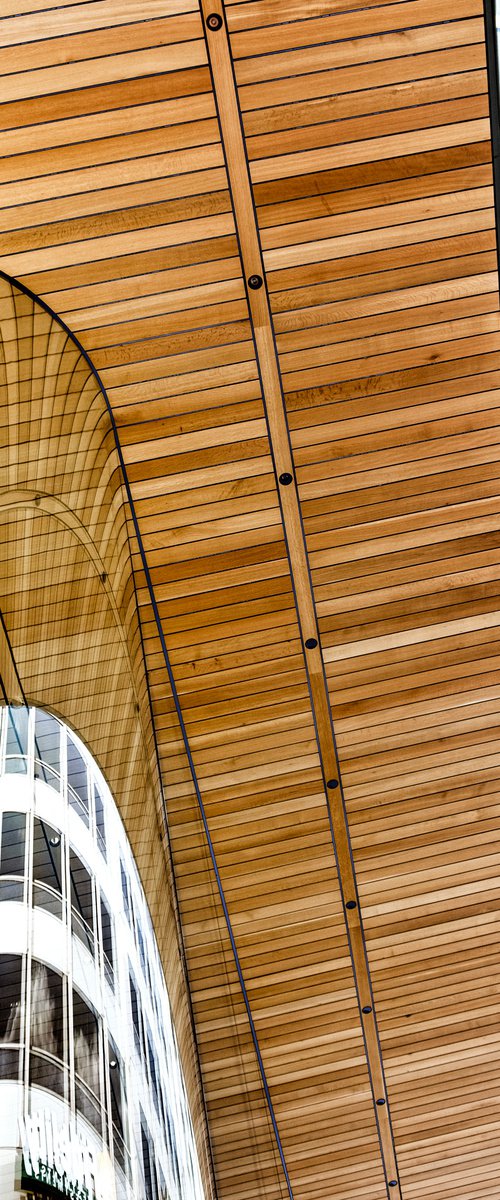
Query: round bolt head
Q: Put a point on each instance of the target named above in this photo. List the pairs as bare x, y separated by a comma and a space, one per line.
214, 21
286, 478
351, 904
255, 282
311, 643
332, 784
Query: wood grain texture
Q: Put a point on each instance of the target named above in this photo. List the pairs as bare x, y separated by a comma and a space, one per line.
150, 165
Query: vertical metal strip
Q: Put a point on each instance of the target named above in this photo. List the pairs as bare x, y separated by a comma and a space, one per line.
232, 136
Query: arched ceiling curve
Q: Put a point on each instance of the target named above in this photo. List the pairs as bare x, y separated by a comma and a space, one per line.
159, 165
70, 639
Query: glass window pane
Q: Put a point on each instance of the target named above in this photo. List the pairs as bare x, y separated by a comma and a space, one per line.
47, 749
135, 1008
125, 891
78, 792
12, 846
45, 1072
99, 821
82, 919
17, 740
9, 1063
11, 889
116, 1087
47, 855
47, 1010
107, 940
10, 998
148, 1161
86, 1043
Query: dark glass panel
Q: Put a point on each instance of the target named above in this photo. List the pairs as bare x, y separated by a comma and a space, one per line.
82, 917
11, 889
47, 1010
88, 1106
153, 1073
140, 941
99, 821
47, 749
9, 1063
17, 740
10, 998
48, 1073
119, 1149
117, 1093
47, 855
107, 941
13, 844
86, 1045
48, 901
78, 790
136, 1014
148, 1161
125, 891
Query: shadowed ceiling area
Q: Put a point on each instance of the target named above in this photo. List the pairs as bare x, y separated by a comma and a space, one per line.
273, 232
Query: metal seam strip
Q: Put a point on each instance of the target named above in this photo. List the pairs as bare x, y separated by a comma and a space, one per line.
239, 178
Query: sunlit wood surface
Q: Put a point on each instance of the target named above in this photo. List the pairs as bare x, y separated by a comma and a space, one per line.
152, 163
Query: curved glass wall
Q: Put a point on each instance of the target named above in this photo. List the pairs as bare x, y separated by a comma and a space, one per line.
88, 1055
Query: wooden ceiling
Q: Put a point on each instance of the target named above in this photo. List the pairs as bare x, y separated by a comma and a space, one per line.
271, 226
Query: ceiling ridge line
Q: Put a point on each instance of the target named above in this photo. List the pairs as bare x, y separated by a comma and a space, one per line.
247, 231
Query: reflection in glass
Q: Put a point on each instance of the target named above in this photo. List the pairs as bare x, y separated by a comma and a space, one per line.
47, 1029
153, 1073
148, 1161
47, 873
82, 913
47, 749
12, 850
125, 891
10, 999
117, 1103
135, 1009
86, 1054
107, 941
47, 1010
78, 788
99, 821
17, 740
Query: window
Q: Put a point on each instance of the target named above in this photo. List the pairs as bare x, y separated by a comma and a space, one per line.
47, 870
100, 827
82, 911
107, 942
16, 747
47, 1029
117, 1093
125, 891
87, 1061
47, 749
78, 788
148, 1161
135, 1006
153, 1073
10, 1014
12, 852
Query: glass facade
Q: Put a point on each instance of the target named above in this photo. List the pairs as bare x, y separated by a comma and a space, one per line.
87, 1044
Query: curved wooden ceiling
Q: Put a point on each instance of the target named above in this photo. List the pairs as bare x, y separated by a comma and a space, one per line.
272, 229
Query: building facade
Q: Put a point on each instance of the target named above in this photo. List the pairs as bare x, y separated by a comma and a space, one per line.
92, 1097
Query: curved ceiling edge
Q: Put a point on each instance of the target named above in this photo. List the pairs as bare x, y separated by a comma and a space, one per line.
68, 599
